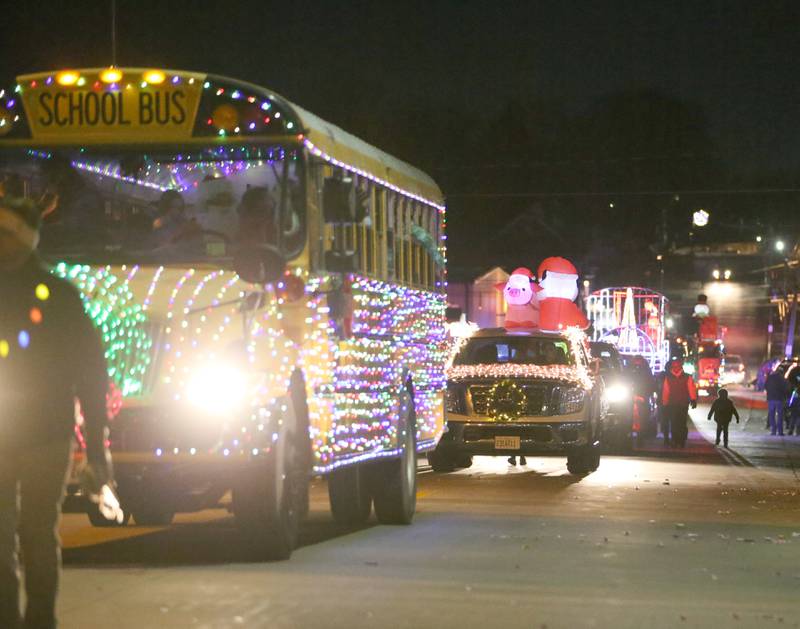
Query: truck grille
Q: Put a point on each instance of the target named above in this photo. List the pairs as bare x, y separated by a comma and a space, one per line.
537, 398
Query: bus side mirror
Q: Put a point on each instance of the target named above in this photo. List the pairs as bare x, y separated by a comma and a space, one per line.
259, 264
594, 366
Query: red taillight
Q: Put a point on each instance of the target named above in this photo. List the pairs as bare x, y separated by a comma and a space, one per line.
636, 426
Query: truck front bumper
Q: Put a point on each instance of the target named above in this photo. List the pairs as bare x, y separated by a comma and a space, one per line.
479, 438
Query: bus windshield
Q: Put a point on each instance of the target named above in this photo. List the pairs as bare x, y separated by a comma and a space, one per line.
161, 208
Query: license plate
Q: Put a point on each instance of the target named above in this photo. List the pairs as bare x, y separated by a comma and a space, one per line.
506, 443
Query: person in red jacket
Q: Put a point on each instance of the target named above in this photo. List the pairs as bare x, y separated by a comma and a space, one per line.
677, 394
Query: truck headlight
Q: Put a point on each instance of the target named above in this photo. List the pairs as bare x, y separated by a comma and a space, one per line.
454, 401
617, 393
217, 388
571, 400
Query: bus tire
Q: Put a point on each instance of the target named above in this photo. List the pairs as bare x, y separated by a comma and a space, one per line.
395, 481
350, 498
297, 391
268, 498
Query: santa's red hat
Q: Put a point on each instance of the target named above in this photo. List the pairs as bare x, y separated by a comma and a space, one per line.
521, 270
557, 265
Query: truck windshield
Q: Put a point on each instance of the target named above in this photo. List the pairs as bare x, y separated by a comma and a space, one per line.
518, 350
161, 208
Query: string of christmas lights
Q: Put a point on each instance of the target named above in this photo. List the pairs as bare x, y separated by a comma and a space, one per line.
577, 373
353, 383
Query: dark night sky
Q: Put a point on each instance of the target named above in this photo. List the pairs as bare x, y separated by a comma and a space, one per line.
388, 71
737, 60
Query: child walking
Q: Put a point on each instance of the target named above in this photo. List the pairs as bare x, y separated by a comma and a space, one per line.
723, 411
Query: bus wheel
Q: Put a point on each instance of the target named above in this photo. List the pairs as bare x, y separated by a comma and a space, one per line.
268, 497
395, 481
349, 494
99, 520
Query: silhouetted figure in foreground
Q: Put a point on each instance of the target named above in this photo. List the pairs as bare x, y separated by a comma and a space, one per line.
49, 353
723, 410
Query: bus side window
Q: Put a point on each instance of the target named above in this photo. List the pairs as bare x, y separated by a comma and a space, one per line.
379, 231
342, 218
400, 240
365, 228
416, 267
390, 235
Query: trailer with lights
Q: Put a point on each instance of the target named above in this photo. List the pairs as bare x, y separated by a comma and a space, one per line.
634, 319
270, 291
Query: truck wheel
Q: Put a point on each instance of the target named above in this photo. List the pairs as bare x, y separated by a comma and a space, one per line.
99, 520
576, 463
584, 459
593, 456
464, 461
440, 462
394, 487
349, 495
268, 500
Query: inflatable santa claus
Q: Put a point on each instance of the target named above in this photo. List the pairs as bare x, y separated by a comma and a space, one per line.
522, 304
559, 288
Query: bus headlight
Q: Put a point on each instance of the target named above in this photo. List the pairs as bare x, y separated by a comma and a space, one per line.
617, 393
217, 388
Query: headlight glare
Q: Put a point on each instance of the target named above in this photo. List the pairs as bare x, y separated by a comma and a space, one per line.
617, 393
217, 388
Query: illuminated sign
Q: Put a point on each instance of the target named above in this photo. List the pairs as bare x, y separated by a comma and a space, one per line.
90, 110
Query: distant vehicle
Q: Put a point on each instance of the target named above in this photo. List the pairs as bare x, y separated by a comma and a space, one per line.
521, 393
733, 370
634, 319
618, 429
708, 366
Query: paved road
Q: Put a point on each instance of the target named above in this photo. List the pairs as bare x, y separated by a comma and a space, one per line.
701, 538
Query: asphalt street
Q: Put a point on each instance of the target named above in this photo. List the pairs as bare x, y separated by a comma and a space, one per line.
704, 537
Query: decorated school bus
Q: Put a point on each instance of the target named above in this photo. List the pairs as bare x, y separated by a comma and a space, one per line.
269, 288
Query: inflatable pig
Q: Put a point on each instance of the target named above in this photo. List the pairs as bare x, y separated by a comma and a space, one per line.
522, 304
